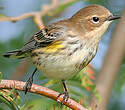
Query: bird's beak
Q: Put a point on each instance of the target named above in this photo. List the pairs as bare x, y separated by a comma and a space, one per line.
113, 17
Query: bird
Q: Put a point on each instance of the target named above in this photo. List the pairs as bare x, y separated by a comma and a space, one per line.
62, 49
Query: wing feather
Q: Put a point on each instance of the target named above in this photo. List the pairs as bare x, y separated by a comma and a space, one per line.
43, 38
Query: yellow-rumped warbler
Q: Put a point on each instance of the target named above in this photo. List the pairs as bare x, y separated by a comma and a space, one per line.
64, 48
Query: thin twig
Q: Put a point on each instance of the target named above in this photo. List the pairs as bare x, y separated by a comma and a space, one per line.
37, 16
19, 85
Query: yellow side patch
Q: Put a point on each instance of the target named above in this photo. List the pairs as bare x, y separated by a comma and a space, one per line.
53, 47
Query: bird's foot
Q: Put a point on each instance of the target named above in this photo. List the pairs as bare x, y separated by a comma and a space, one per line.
65, 97
28, 85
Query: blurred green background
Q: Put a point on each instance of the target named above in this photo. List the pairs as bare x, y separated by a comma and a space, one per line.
14, 35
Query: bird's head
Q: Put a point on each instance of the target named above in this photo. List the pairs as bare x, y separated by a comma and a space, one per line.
94, 19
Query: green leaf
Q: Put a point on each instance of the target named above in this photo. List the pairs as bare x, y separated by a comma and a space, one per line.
11, 98
9, 104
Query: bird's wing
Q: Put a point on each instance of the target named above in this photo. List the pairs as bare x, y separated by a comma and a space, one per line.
43, 38
48, 39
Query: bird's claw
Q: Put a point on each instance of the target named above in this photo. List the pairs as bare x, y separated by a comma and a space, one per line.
65, 97
28, 85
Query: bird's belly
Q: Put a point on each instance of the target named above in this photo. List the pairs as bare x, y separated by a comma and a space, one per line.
56, 67
62, 66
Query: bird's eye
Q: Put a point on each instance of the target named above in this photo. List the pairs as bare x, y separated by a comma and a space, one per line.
95, 19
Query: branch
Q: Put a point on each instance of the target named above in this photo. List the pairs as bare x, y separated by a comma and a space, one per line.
37, 16
111, 65
19, 85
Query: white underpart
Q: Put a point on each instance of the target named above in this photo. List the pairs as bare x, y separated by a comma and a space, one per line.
61, 66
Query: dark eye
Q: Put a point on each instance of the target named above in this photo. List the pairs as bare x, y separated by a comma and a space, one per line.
95, 19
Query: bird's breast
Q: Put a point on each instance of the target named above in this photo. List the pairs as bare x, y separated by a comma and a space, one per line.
66, 62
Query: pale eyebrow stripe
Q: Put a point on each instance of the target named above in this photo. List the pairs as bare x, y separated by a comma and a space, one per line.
89, 17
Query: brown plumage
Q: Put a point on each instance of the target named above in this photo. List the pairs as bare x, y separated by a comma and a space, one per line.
64, 48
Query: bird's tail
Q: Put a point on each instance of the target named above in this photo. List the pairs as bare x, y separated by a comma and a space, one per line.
15, 54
